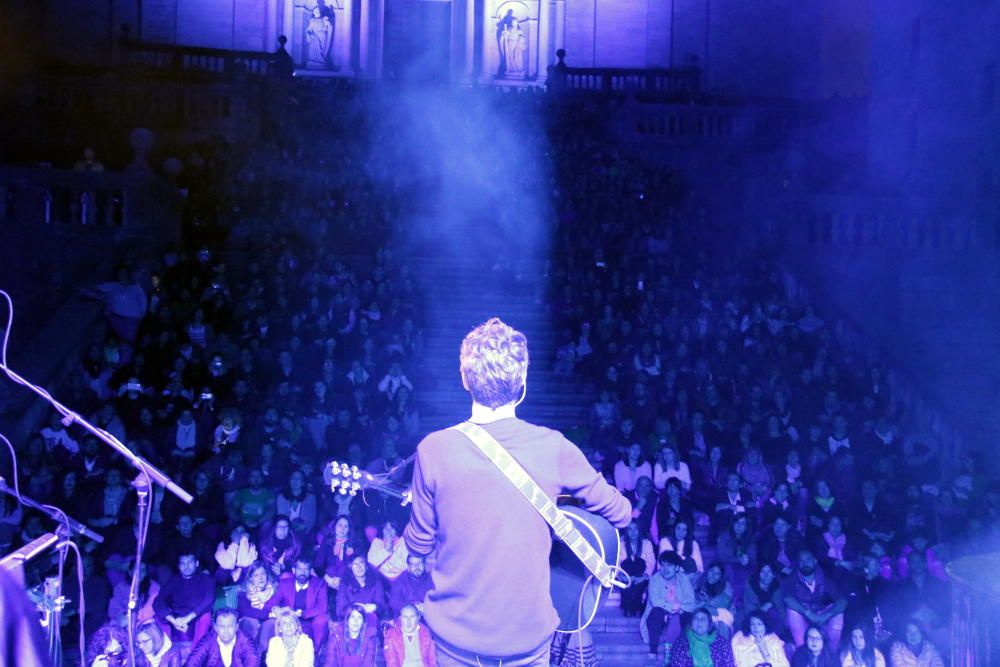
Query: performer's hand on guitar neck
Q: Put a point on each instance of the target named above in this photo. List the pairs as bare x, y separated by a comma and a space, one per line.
407, 497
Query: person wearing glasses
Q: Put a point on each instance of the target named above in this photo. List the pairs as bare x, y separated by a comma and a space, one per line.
155, 648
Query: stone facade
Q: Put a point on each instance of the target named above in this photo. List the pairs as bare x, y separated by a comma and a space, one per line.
803, 49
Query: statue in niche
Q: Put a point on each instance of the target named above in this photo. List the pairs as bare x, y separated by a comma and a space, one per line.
514, 46
502, 26
319, 39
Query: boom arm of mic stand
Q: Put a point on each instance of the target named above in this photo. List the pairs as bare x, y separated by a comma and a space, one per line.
62, 518
141, 464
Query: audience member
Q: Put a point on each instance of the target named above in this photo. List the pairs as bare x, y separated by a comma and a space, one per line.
224, 645
290, 647
408, 642
183, 605
353, 641
701, 644
410, 587
754, 645
306, 595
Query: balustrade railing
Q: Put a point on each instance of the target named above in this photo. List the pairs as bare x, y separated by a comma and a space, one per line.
872, 222
134, 202
684, 83
196, 59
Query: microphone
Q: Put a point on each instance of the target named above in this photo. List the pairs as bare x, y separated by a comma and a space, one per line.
54, 514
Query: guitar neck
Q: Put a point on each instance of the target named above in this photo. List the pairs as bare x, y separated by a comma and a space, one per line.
388, 488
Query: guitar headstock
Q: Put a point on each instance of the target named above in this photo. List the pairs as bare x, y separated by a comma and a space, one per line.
347, 479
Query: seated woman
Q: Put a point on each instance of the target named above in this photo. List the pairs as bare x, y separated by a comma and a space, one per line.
780, 503
670, 508
860, 650
670, 466
633, 466
290, 647
335, 546
814, 652
763, 594
155, 648
638, 564
715, 594
352, 643
644, 505
756, 475
279, 547
106, 646
234, 557
701, 645
298, 504
254, 603
835, 550
913, 650
388, 553
362, 587
682, 542
754, 645
149, 590
709, 480
737, 552
820, 508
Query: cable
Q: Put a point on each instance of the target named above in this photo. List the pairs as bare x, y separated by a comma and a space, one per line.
13, 459
68, 543
6, 331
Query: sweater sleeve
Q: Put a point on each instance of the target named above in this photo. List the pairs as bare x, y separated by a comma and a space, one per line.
206, 595
420, 533
685, 594
655, 593
583, 482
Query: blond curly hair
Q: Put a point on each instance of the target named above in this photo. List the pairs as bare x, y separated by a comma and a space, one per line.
494, 363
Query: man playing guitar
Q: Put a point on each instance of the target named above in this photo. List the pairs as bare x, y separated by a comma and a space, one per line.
490, 603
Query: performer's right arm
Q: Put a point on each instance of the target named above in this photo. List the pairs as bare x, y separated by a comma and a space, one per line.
421, 533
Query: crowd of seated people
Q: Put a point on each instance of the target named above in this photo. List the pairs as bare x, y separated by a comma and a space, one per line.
782, 511
785, 507
254, 356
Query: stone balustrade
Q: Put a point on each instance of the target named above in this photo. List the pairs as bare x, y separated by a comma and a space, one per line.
195, 60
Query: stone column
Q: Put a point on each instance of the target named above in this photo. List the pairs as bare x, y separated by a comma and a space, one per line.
376, 33
489, 45
364, 28
347, 43
544, 39
559, 25
286, 26
470, 38
271, 29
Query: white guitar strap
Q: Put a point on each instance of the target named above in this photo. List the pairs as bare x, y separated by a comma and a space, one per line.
561, 525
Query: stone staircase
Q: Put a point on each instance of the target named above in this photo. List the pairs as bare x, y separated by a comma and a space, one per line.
617, 640
461, 294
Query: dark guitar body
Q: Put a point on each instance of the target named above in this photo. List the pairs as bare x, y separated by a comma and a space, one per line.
576, 595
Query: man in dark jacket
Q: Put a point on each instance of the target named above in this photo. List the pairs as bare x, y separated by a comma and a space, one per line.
224, 645
183, 604
411, 586
307, 595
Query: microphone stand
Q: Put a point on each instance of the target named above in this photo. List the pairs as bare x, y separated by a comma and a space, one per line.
70, 417
61, 517
54, 606
148, 474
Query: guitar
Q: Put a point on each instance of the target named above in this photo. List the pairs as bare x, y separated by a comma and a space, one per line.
576, 595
